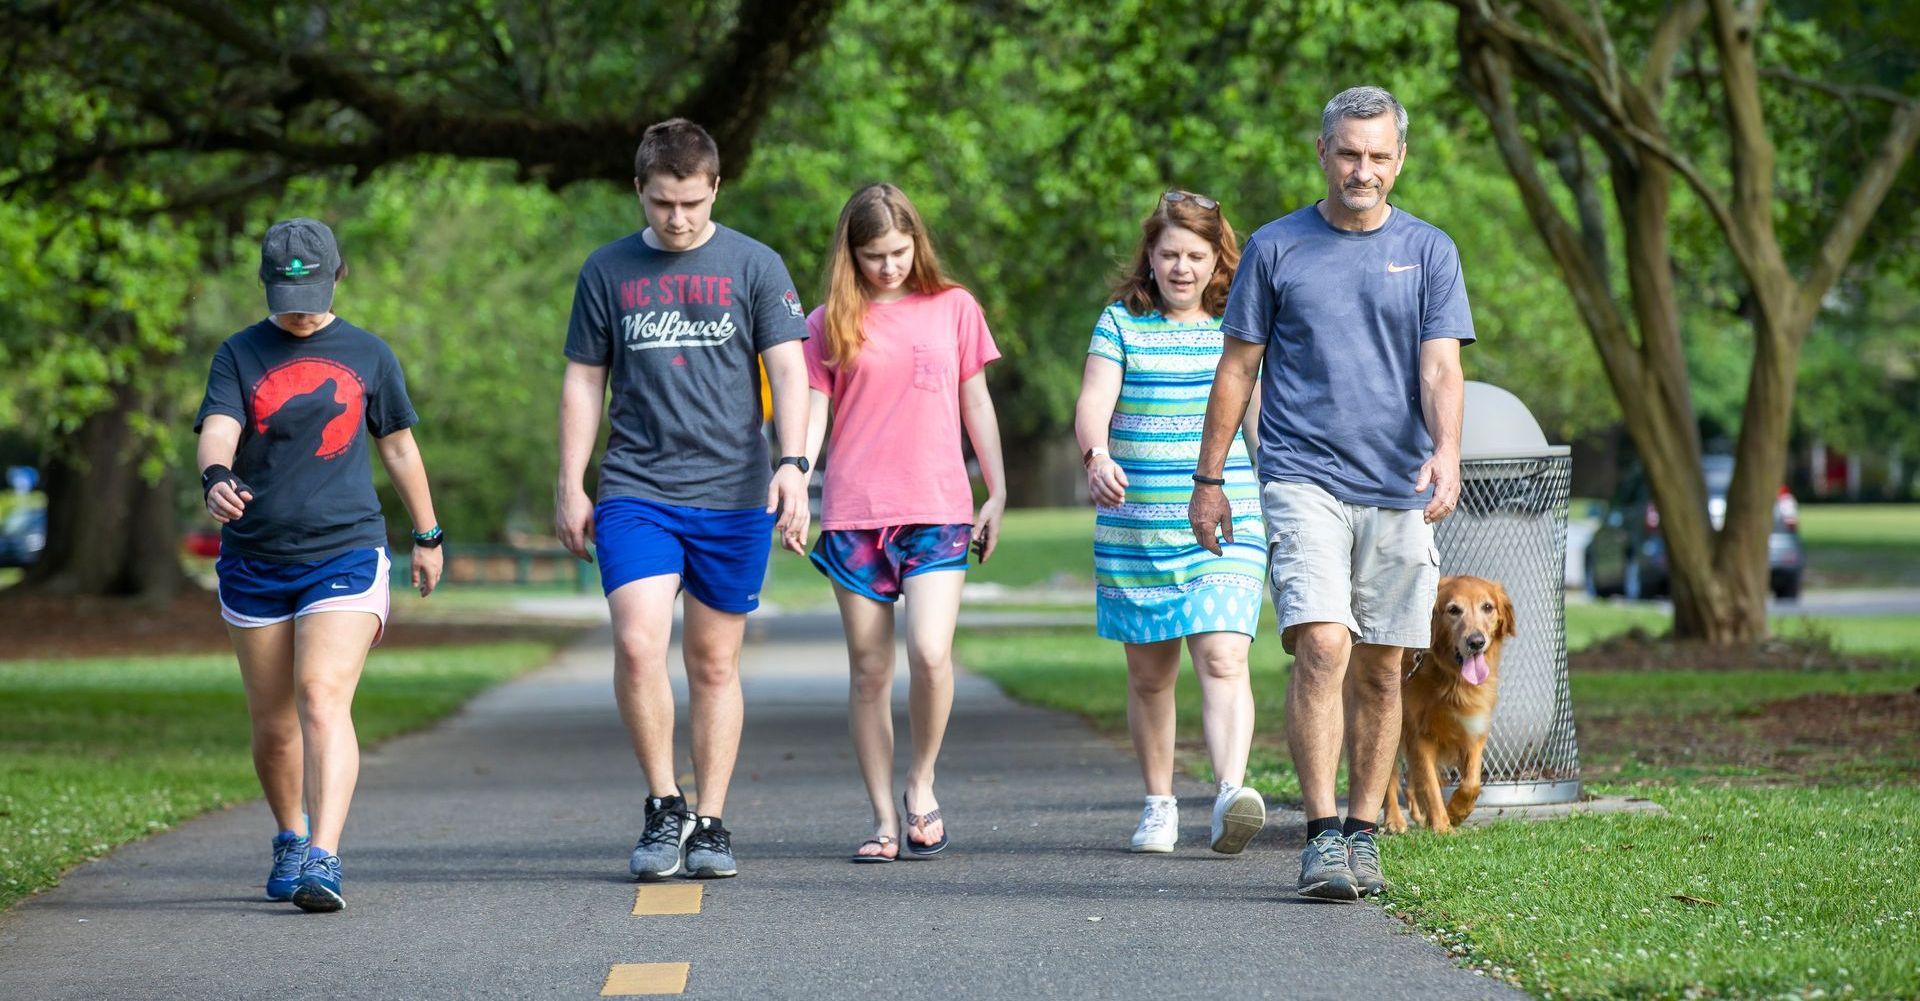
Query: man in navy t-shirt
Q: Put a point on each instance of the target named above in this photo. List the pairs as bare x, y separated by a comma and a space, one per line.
1357, 310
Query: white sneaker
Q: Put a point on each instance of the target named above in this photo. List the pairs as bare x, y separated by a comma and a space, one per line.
1159, 825
1238, 815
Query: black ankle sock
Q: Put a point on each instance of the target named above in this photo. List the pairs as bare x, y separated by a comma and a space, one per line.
1321, 825
1356, 826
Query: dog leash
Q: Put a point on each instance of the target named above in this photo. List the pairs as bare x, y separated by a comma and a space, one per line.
1419, 657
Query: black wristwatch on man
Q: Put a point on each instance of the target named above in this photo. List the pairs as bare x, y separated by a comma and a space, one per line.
794, 460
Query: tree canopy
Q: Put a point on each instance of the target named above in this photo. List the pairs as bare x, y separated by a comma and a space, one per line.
148, 144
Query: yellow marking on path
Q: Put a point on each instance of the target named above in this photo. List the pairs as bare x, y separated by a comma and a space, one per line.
674, 898
632, 979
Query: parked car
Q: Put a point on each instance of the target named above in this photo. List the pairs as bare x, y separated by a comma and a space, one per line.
1628, 557
23, 534
201, 542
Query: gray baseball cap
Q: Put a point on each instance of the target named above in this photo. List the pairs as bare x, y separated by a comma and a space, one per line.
298, 260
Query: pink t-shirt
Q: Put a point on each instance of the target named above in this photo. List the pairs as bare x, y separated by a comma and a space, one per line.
895, 456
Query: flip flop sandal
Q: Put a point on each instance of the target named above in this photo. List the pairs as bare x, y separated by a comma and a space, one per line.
921, 820
884, 841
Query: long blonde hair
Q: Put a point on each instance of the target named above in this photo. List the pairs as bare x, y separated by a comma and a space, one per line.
869, 215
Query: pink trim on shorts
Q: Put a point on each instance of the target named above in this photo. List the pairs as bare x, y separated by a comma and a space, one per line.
377, 599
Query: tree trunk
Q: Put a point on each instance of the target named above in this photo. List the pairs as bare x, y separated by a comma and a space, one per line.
109, 530
1044, 472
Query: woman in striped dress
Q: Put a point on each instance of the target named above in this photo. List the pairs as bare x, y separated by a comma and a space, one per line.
1143, 404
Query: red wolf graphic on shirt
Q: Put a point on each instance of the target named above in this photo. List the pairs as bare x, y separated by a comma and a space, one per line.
289, 381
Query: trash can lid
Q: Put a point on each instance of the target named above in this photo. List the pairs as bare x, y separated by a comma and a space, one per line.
1497, 425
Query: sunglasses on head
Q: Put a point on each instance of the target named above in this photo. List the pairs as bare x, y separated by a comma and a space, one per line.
1187, 196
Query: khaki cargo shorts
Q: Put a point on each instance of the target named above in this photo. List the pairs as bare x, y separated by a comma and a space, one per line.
1373, 570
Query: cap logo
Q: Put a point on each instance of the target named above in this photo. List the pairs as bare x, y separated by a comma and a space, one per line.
298, 269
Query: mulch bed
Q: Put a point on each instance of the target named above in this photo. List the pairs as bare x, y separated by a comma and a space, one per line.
46, 627
1809, 736
1639, 650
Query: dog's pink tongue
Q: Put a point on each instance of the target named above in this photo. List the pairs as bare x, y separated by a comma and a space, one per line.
1475, 670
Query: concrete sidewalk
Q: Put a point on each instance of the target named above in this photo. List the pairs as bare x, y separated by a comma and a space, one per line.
487, 857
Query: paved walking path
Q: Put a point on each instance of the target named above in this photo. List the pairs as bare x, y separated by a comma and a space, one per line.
487, 857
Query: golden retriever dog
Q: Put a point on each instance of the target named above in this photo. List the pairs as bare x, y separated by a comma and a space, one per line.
1447, 697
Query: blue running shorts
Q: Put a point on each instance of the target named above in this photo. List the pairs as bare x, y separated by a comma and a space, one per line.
255, 593
721, 556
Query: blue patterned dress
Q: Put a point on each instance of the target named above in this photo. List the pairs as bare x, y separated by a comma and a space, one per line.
1153, 581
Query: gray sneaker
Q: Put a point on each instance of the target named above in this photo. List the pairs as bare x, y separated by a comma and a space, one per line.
657, 855
1323, 869
710, 850
1363, 857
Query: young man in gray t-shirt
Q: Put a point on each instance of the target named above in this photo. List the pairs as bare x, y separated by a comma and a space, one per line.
677, 319
1358, 311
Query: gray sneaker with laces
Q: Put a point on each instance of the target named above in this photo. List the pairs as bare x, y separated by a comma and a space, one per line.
1324, 873
657, 855
1363, 857
710, 850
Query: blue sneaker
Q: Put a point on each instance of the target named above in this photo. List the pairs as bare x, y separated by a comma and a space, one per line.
319, 888
289, 853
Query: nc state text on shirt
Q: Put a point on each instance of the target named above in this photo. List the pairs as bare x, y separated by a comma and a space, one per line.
678, 289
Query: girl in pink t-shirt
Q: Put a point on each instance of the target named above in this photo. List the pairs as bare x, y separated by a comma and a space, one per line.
899, 354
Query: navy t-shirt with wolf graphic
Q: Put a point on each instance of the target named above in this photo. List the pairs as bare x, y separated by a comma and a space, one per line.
681, 333
305, 407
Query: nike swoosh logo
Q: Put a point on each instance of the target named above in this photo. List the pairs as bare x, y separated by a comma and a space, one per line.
960, 545
337, 586
1394, 269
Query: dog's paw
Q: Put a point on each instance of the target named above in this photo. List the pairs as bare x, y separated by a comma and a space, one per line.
1395, 825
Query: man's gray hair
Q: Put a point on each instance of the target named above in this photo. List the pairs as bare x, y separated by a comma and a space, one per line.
1362, 102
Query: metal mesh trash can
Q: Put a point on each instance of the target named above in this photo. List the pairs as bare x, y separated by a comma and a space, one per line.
1511, 527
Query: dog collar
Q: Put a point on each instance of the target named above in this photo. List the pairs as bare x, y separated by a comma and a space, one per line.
1420, 657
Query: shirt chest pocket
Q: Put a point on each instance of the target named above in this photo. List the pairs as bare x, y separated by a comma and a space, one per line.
933, 367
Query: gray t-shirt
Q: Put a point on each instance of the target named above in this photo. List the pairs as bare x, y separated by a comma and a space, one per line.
1343, 316
681, 333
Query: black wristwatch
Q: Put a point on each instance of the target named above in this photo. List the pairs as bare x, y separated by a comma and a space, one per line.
429, 539
794, 460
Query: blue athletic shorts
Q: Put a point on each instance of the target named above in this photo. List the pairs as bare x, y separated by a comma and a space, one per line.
256, 593
721, 556
873, 562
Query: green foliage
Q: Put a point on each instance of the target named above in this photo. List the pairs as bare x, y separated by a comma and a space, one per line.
90, 301
1034, 137
97, 752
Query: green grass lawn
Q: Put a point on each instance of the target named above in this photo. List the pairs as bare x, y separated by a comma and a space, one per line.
1585, 908
1861, 545
97, 752
1582, 907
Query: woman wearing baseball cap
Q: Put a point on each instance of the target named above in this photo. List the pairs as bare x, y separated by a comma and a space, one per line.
291, 402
